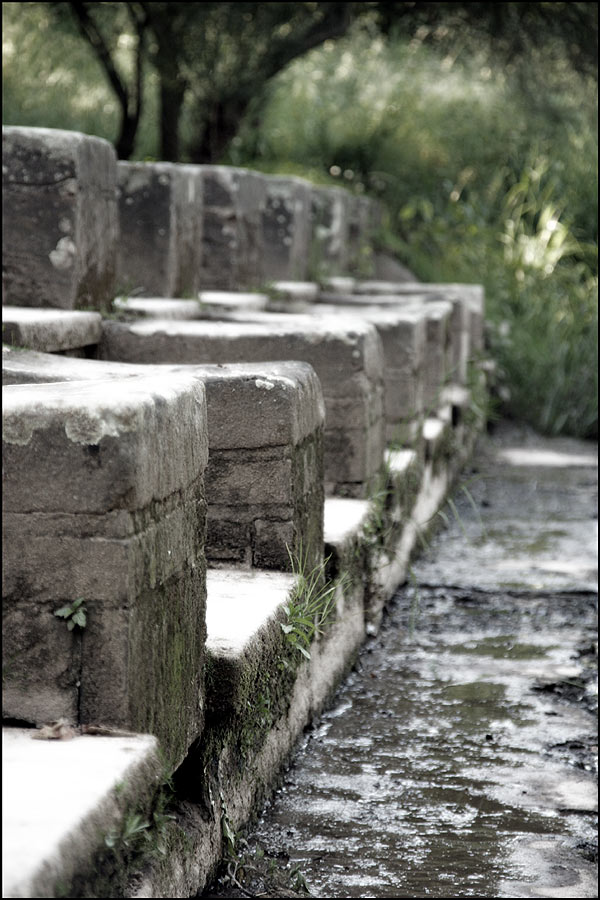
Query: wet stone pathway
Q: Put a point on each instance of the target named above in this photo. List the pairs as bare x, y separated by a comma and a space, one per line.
460, 756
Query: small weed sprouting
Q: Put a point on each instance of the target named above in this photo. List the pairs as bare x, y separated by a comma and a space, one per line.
310, 607
75, 614
135, 827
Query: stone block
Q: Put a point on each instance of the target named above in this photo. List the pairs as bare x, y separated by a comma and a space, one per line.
443, 341
468, 311
104, 501
160, 212
234, 200
286, 232
330, 221
62, 798
244, 638
403, 335
60, 219
347, 358
364, 219
264, 480
157, 307
50, 330
216, 304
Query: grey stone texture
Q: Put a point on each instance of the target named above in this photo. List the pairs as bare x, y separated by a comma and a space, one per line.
160, 212
447, 341
403, 337
103, 487
364, 220
60, 219
214, 304
50, 330
347, 357
286, 229
157, 307
330, 221
264, 480
232, 244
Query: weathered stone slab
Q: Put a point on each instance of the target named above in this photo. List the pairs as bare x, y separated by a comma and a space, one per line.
365, 218
61, 798
330, 219
347, 358
157, 307
307, 291
470, 320
60, 219
50, 330
243, 639
286, 228
160, 211
445, 337
292, 296
403, 336
215, 304
339, 284
104, 502
264, 480
232, 249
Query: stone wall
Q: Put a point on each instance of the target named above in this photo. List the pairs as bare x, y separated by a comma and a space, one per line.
210, 494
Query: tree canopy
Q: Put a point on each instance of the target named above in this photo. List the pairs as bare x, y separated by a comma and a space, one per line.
214, 60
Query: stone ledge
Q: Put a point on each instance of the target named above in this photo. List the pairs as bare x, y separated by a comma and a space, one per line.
50, 330
157, 307
213, 304
104, 500
242, 607
61, 798
347, 358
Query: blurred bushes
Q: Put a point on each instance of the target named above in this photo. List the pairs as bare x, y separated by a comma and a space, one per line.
488, 174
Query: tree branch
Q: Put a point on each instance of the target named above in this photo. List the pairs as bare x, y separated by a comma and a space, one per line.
91, 33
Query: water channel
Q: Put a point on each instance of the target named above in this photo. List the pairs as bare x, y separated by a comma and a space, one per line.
459, 758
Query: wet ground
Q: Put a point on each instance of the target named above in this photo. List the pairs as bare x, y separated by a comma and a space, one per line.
460, 756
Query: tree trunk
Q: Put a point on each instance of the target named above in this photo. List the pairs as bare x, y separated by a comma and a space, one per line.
172, 93
126, 140
222, 124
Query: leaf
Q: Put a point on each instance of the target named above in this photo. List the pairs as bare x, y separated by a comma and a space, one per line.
79, 619
64, 612
304, 652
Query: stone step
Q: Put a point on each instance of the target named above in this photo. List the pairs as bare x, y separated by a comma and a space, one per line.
263, 482
104, 509
67, 800
50, 330
157, 307
253, 713
347, 357
213, 304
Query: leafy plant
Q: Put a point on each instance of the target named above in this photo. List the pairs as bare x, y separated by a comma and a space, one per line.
75, 614
134, 827
311, 605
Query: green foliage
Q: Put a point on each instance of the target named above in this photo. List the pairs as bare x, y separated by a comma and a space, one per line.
75, 614
489, 176
311, 606
134, 828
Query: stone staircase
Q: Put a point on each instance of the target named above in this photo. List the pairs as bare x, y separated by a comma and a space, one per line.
217, 472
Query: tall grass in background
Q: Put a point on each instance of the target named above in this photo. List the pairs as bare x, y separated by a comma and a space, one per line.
486, 177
